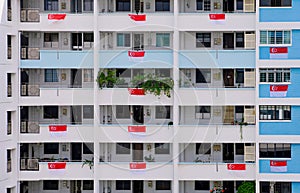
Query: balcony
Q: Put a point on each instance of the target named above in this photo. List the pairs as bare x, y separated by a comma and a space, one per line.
215, 171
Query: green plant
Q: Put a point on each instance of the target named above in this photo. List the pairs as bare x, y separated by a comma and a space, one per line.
90, 163
106, 78
247, 187
154, 84
241, 124
149, 158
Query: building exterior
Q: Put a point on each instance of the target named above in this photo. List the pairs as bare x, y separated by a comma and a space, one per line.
232, 115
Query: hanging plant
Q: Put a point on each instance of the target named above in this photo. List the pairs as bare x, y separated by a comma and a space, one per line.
106, 78
90, 163
241, 124
247, 187
154, 84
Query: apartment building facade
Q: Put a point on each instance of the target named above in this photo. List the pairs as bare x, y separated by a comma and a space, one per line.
232, 114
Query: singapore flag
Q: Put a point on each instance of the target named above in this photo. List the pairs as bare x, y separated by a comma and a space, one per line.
278, 166
136, 56
280, 52
278, 90
138, 18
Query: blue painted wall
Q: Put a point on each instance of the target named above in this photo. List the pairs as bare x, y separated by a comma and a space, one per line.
293, 90
282, 127
284, 14
293, 51
295, 187
293, 165
217, 59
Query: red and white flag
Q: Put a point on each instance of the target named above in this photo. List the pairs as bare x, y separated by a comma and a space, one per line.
136, 55
56, 16
139, 19
218, 18
236, 167
278, 90
57, 128
278, 166
137, 129
57, 165
279, 52
136, 91
137, 165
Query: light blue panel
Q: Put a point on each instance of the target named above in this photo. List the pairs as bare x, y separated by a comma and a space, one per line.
60, 59
217, 59
293, 90
120, 59
291, 14
293, 165
295, 187
282, 127
293, 51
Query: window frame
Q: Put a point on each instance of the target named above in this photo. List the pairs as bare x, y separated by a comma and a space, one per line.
270, 150
51, 75
48, 112
126, 185
202, 40
88, 111
203, 112
51, 148
163, 40
162, 185
203, 76
123, 148
159, 113
87, 184
163, 8
206, 5
162, 148
125, 41
122, 113
268, 40
202, 185
271, 112
202, 148
285, 75
53, 183
123, 2
275, 5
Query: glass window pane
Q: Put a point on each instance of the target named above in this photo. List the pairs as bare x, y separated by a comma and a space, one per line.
287, 37
279, 37
271, 37
263, 37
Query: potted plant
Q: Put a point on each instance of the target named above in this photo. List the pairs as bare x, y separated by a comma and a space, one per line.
106, 78
153, 84
247, 187
90, 163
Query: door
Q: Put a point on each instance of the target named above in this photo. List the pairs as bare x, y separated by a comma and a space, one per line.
228, 5
75, 186
76, 152
138, 114
228, 154
138, 186
138, 6
76, 6
228, 186
76, 116
228, 40
137, 152
76, 78
138, 41
228, 77
76, 41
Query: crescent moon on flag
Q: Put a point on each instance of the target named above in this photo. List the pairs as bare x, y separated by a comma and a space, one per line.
274, 88
52, 166
274, 50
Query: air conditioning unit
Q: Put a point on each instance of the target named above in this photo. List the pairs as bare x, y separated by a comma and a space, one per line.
33, 53
23, 127
33, 164
33, 90
33, 15
23, 15
23, 53
33, 127
23, 164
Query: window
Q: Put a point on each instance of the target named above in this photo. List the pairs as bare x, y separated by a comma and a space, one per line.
163, 72
123, 112
88, 75
162, 5
88, 37
203, 148
50, 112
51, 148
88, 5
275, 3
9, 85
123, 148
162, 112
202, 185
163, 185
239, 39
88, 112
275, 37
51, 5
239, 149
203, 5
162, 148
88, 185
51, 40
9, 122
203, 76
274, 150
9, 10
284, 187
122, 5
264, 187
239, 76
272, 112
8, 159
51, 75
202, 112
203, 40
123, 185
123, 40
50, 185
162, 40
9, 47
239, 5
274, 75
88, 148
